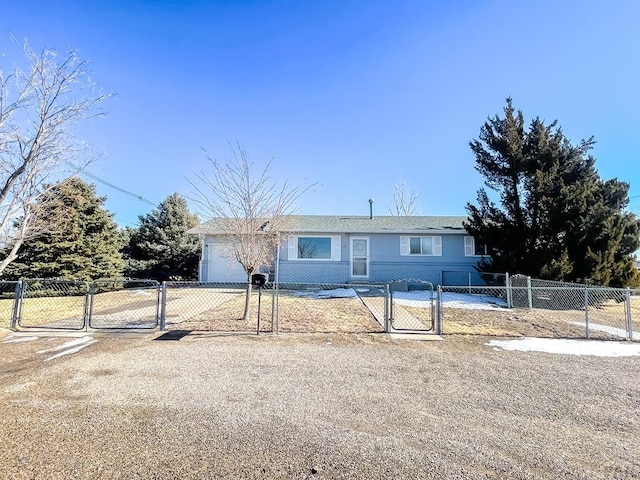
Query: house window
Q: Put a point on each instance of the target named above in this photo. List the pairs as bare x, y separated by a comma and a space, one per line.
314, 247
426, 246
473, 248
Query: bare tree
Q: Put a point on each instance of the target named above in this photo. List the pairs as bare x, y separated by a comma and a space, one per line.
39, 107
249, 207
404, 200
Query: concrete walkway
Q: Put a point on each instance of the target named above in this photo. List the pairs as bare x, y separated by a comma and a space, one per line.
406, 325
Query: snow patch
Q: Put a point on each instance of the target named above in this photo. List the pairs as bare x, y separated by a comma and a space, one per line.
568, 347
69, 344
71, 350
335, 293
422, 299
15, 339
67, 348
618, 332
144, 293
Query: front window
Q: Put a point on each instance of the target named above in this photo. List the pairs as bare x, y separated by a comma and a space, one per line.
317, 248
474, 248
426, 246
421, 246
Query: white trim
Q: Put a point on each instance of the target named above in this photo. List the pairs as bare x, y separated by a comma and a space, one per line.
404, 245
348, 229
437, 246
276, 274
292, 242
469, 246
336, 248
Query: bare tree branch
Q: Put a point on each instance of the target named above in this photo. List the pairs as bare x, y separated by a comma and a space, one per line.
40, 106
404, 200
249, 207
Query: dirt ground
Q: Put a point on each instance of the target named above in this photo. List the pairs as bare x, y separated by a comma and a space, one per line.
208, 405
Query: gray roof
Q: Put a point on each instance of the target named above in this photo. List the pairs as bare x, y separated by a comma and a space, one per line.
357, 224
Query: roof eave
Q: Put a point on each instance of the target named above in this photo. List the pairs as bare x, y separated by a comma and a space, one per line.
432, 231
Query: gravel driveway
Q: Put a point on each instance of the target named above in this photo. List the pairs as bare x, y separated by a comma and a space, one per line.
314, 406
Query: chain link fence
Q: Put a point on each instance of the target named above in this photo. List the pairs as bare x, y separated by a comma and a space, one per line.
215, 307
7, 302
52, 304
522, 307
550, 311
212, 307
472, 278
124, 304
536, 293
74, 305
324, 308
634, 312
283, 307
412, 306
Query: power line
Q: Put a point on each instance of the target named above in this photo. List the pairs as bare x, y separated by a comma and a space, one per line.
98, 179
82, 171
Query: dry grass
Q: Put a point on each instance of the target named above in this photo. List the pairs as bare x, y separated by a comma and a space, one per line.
509, 323
635, 312
295, 314
6, 309
537, 322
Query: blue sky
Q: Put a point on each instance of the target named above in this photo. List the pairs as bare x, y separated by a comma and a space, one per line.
353, 95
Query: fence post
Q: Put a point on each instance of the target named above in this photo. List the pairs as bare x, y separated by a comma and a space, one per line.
439, 311
274, 285
529, 299
275, 311
507, 283
163, 305
87, 306
17, 299
92, 294
387, 309
586, 311
391, 307
628, 312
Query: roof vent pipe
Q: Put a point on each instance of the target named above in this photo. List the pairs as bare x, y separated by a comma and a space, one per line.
371, 208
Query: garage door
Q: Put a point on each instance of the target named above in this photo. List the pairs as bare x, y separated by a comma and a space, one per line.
220, 267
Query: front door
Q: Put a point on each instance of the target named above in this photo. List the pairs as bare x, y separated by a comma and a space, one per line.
360, 257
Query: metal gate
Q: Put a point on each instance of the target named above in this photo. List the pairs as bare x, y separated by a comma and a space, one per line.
412, 306
120, 304
51, 304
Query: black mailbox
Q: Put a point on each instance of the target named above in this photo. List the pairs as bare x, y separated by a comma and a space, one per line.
259, 279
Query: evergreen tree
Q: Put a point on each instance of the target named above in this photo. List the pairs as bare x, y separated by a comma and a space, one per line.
556, 218
160, 248
83, 244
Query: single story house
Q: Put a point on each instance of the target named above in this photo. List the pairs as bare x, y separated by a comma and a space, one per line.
351, 249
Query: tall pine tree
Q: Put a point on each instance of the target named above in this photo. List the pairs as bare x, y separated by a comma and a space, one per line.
83, 244
160, 248
556, 218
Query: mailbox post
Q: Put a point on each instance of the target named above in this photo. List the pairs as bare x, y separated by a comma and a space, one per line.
258, 280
